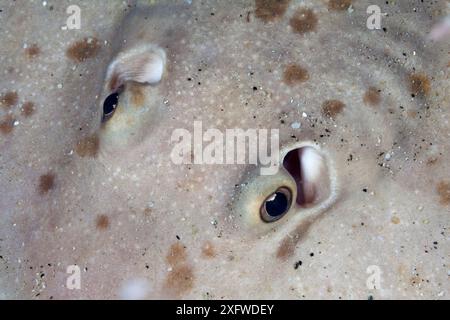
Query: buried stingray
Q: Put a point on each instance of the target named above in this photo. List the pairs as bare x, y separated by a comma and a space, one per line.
93, 205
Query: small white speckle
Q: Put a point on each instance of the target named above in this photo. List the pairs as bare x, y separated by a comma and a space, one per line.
304, 115
44, 3
16, 123
295, 125
59, 86
387, 156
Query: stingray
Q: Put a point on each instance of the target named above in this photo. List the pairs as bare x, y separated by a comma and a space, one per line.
100, 201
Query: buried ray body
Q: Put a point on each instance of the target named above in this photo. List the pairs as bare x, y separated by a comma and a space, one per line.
137, 206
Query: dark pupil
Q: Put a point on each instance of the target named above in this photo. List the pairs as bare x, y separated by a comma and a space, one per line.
278, 205
110, 103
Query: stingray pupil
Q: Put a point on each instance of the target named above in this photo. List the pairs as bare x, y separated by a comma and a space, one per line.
110, 103
278, 205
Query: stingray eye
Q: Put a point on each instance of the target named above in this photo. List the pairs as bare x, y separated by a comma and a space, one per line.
276, 205
109, 105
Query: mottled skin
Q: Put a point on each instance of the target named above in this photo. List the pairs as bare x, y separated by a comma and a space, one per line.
120, 209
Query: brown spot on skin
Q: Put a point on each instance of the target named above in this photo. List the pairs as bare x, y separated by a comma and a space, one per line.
9, 99
443, 189
88, 147
431, 161
412, 114
287, 246
147, 211
270, 10
27, 109
208, 250
7, 125
181, 278
137, 94
294, 74
83, 49
339, 5
32, 51
176, 255
102, 222
331, 108
303, 21
372, 96
46, 183
419, 84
